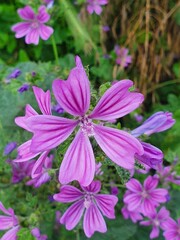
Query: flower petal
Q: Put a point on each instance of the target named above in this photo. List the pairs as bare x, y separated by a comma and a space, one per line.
21, 29
9, 211
49, 131
32, 36
106, 204
154, 233
159, 195
43, 99
148, 207
11, 234
134, 185
21, 121
38, 166
94, 187
117, 101
68, 194
24, 153
73, 215
45, 31
118, 145
42, 16
150, 183
6, 222
78, 163
93, 221
74, 93
133, 201
26, 13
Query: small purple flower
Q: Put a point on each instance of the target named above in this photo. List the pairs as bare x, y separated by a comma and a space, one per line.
9, 222
36, 233
146, 197
34, 26
33, 74
57, 108
95, 6
49, 3
89, 202
14, 74
133, 215
138, 117
171, 229
9, 148
41, 176
156, 220
123, 59
20, 170
106, 28
114, 190
166, 175
25, 87
158, 122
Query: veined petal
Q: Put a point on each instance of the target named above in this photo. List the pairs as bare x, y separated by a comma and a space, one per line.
150, 183
134, 185
38, 166
147, 207
159, 195
21, 121
24, 153
21, 29
78, 163
11, 234
42, 16
32, 36
94, 187
9, 211
133, 201
45, 31
68, 194
117, 101
26, 13
106, 204
73, 215
49, 131
154, 233
6, 222
43, 99
74, 93
93, 221
118, 145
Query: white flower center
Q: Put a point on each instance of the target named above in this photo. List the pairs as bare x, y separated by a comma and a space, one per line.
35, 24
86, 126
88, 199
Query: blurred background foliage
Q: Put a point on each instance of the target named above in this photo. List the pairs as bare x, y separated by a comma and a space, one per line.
149, 29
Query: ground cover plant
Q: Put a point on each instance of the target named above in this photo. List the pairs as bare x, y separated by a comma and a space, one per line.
90, 120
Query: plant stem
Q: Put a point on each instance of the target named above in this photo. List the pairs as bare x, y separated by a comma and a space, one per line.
160, 85
77, 235
54, 49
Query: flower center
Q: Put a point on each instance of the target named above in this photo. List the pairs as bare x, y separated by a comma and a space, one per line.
86, 126
34, 24
144, 194
88, 199
156, 222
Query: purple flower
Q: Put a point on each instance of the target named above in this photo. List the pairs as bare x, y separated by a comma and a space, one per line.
36, 233
145, 197
9, 222
158, 122
95, 6
106, 28
25, 87
138, 117
171, 229
133, 215
9, 148
114, 190
57, 108
20, 170
89, 202
49, 3
34, 26
41, 175
15, 73
152, 156
74, 97
166, 175
123, 59
156, 220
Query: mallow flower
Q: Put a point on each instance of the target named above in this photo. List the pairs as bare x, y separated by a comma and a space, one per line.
33, 28
123, 59
8, 221
156, 220
171, 229
88, 202
135, 216
95, 6
73, 95
145, 197
158, 122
